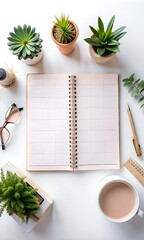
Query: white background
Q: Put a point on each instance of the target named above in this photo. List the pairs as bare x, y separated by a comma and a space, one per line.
75, 214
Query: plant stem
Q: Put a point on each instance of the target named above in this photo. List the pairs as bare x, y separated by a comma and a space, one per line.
137, 89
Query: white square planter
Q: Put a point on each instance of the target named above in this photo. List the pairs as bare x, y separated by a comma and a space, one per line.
44, 205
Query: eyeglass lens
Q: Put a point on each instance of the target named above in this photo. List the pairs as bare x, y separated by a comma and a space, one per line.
11, 116
5, 135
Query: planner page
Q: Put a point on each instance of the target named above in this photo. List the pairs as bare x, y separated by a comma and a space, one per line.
97, 121
47, 122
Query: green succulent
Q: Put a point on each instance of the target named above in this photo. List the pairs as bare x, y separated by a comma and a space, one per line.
25, 42
16, 196
105, 41
64, 31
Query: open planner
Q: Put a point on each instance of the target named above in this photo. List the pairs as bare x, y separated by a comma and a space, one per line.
72, 122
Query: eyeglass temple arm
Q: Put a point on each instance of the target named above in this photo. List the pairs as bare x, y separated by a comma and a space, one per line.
2, 142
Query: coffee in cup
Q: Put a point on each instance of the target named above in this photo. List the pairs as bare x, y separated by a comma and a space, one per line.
118, 199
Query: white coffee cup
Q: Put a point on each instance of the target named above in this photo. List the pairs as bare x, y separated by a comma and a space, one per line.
118, 199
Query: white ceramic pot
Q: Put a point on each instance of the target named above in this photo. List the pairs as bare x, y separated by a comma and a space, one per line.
34, 60
118, 200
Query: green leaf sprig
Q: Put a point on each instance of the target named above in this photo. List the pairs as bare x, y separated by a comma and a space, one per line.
135, 88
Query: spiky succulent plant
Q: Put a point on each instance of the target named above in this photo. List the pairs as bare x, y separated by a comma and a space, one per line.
64, 31
105, 41
16, 196
25, 42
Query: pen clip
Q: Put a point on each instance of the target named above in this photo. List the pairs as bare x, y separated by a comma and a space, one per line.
137, 148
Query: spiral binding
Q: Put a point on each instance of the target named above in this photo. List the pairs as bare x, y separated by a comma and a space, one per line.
72, 121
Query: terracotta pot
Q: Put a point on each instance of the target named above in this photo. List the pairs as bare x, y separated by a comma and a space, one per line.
98, 58
34, 60
66, 48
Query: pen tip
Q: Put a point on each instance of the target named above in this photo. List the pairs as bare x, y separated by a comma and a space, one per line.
128, 108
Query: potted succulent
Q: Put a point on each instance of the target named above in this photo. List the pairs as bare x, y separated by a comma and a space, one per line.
64, 33
24, 201
17, 197
104, 43
26, 44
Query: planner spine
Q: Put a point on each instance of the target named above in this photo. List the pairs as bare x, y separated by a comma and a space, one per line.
73, 122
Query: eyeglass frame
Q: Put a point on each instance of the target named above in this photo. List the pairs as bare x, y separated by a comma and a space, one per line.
5, 124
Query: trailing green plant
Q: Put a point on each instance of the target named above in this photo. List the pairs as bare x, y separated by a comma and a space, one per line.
25, 42
105, 41
64, 31
135, 88
16, 196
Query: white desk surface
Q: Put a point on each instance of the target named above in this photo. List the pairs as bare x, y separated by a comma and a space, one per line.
75, 214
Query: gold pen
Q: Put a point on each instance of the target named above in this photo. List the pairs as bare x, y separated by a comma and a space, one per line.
135, 139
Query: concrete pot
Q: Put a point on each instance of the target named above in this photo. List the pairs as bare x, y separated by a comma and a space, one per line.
98, 58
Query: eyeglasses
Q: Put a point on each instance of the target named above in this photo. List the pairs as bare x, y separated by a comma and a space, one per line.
12, 115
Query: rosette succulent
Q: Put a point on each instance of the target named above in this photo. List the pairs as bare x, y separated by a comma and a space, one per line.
25, 42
